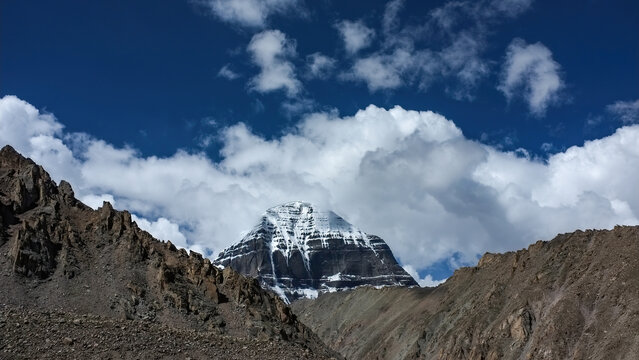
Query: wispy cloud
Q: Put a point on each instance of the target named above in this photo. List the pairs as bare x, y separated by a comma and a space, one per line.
463, 61
319, 66
250, 13
626, 111
227, 73
446, 46
529, 71
295, 107
390, 20
382, 71
355, 34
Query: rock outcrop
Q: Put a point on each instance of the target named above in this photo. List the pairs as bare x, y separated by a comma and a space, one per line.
575, 297
58, 254
299, 251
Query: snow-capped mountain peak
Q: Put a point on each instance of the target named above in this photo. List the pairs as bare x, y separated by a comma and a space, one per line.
293, 225
299, 250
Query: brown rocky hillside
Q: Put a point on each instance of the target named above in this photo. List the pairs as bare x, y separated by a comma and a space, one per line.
62, 262
575, 297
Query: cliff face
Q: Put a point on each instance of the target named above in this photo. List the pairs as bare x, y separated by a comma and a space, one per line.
57, 253
575, 297
300, 251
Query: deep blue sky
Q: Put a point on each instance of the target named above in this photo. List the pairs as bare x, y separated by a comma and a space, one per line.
144, 73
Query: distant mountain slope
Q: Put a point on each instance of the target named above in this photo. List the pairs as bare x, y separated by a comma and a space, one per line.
58, 254
575, 297
299, 251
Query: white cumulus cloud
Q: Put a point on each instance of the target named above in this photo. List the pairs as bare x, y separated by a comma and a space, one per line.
530, 71
164, 229
271, 51
426, 281
410, 177
96, 201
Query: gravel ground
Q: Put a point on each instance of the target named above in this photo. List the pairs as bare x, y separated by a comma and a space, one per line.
30, 334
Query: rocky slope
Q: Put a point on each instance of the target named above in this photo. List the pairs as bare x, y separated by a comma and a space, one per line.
575, 297
299, 251
41, 334
56, 254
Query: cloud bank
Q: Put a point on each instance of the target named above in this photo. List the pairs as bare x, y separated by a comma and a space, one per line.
410, 177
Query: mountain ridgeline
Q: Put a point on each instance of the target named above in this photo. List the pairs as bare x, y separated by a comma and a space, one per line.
60, 259
300, 251
575, 297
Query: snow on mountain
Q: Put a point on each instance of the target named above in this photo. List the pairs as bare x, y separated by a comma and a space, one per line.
298, 251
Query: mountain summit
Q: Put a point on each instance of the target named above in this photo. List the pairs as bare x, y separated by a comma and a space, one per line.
298, 251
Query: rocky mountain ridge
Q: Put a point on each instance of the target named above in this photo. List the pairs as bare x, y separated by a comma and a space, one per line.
299, 251
57, 254
575, 297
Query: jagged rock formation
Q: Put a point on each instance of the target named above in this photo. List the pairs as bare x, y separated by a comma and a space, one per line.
575, 297
299, 251
58, 254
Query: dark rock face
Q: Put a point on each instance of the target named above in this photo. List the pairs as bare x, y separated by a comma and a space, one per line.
299, 251
58, 254
33, 251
